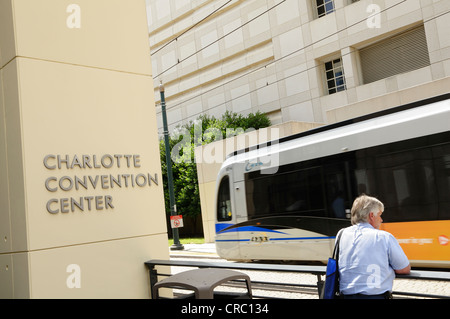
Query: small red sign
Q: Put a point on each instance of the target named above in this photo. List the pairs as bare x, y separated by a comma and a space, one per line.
176, 221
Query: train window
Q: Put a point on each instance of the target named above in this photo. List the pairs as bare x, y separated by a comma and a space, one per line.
338, 188
441, 155
411, 178
406, 184
224, 201
296, 192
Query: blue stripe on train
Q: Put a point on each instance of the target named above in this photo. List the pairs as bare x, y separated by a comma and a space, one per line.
220, 228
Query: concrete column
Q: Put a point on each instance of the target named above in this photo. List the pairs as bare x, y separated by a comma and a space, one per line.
81, 192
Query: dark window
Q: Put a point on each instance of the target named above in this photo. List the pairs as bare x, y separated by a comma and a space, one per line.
324, 7
406, 182
224, 201
338, 186
441, 156
411, 178
292, 190
334, 72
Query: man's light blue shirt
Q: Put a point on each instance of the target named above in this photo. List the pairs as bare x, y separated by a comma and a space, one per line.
367, 259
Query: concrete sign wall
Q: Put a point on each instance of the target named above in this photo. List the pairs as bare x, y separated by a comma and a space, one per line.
81, 194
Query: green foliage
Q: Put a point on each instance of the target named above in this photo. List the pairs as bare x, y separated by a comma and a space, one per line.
182, 147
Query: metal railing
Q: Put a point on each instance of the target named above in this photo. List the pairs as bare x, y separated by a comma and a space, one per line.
318, 271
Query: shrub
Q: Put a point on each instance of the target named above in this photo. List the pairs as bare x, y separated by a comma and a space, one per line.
184, 168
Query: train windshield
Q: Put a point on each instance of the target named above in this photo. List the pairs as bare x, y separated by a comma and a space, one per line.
224, 201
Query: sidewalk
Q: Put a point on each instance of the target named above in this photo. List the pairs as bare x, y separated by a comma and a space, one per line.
203, 250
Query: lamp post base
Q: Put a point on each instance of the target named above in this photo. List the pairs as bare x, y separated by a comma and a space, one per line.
177, 247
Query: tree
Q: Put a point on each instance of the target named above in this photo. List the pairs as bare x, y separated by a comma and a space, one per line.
182, 144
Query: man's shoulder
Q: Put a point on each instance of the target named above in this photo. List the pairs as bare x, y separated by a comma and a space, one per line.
384, 233
386, 237
369, 230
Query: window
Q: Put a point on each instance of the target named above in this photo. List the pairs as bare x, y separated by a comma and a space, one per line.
441, 156
334, 72
401, 53
289, 191
406, 181
324, 7
224, 201
411, 178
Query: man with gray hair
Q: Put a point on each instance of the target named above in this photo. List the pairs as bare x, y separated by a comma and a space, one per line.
369, 257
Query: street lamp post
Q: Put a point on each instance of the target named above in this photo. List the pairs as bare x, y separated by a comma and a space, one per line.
173, 210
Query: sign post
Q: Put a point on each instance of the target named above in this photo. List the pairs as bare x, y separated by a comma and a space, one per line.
173, 208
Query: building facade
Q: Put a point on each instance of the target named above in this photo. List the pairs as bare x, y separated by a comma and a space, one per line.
318, 61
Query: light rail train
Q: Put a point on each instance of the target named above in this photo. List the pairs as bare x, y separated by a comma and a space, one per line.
286, 200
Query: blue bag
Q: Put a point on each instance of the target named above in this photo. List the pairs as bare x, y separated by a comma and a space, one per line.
331, 285
330, 288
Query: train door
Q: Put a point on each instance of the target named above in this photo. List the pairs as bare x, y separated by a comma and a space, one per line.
227, 240
224, 207
339, 192
338, 189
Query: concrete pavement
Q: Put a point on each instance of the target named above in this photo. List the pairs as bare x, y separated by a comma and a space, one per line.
208, 250
205, 250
